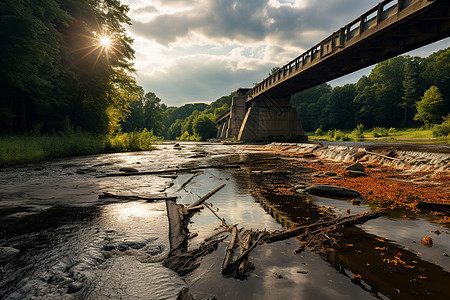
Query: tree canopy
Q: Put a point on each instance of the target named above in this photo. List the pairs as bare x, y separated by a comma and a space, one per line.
64, 60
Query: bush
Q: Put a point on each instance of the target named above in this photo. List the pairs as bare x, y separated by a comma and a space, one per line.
359, 131
319, 132
442, 129
187, 137
379, 132
331, 133
340, 136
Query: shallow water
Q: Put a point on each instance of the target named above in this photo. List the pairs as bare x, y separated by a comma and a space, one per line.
71, 241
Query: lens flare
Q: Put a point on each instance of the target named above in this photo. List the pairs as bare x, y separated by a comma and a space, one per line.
105, 41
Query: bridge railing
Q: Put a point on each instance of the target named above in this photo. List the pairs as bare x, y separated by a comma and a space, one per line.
335, 41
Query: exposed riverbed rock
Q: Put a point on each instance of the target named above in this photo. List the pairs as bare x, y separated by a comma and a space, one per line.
128, 170
332, 191
330, 173
8, 253
356, 173
356, 167
74, 287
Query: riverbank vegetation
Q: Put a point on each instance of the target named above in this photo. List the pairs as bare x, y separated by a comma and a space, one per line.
381, 134
15, 150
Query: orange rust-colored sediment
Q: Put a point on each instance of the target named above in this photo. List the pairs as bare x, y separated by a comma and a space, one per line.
384, 184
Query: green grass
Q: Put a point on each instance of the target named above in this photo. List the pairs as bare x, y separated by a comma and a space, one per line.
15, 150
393, 135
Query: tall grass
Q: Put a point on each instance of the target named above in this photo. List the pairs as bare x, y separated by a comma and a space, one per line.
16, 150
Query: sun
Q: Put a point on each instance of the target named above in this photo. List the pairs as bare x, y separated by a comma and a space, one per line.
105, 41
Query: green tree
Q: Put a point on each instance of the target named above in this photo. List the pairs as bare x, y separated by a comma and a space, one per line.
429, 109
205, 127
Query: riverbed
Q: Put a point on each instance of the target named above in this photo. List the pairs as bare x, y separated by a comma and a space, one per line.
72, 245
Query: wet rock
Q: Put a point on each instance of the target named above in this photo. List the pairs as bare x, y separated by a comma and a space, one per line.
319, 175
109, 248
124, 246
333, 191
80, 172
74, 287
357, 173
154, 249
300, 186
356, 167
184, 294
128, 170
8, 253
330, 173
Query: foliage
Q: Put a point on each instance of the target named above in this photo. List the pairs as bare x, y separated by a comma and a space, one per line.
442, 129
54, 67
319, 131
379, 132
189, 137
337, 135
430, 107
358, 131
35, 147
205, 127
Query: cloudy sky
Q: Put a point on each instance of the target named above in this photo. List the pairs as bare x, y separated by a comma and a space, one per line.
199, 50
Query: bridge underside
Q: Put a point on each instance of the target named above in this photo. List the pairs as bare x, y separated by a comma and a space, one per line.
400, 36
389, 29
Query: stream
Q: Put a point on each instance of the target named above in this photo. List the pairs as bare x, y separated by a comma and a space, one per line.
67, 243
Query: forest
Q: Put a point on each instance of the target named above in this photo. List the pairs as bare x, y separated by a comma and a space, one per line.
68, 66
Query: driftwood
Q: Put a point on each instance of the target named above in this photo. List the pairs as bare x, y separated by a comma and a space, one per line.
173, 170
187, 181
207, 196
350, 220
148, 198
180, 259
230, 249
218, 233
194, 208
381, 155
224, 224
232, 267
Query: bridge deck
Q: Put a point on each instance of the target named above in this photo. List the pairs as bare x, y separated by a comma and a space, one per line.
391, 28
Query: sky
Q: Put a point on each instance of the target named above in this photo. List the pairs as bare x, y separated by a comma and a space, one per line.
199, 50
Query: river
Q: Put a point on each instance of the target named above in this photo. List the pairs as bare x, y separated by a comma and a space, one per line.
73, 245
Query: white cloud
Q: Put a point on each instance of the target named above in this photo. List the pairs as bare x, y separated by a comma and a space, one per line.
200, 50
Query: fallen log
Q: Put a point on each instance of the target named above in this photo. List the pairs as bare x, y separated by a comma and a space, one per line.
132, 197
230, 249
218, 233
381, 155
245, 266
231, 267
224, 224
173, 170
346, 221
207, 196
187, 181
194, 208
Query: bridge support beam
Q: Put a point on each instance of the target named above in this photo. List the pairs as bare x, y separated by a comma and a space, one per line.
271, 118
223, 130
237, 114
